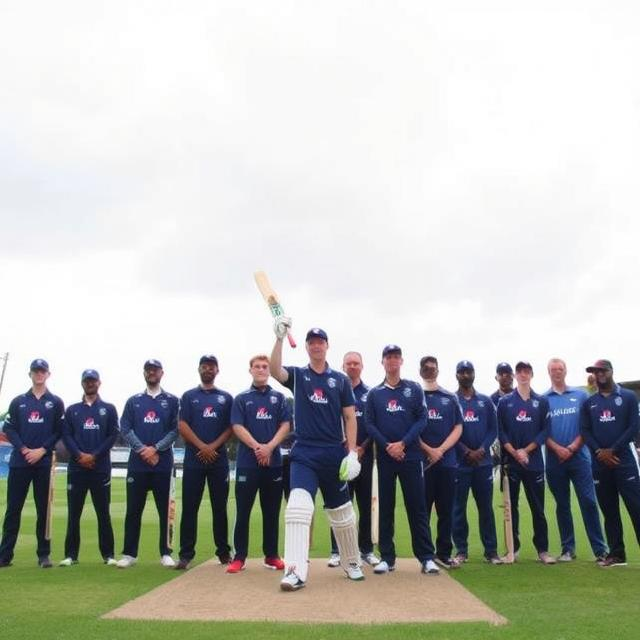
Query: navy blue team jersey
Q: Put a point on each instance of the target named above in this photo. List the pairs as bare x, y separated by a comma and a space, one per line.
34, 423
260, 412
479, 427
91, 429
318, 400
208, 413
360, 393
443, 414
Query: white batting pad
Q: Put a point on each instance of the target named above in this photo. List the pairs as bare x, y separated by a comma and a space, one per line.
343, 522
297, 520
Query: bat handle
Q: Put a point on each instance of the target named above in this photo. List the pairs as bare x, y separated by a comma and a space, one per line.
292, 342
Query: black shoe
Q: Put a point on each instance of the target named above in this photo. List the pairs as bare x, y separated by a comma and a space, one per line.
446, 563
182, 564
225, 558
613, 561
44, 562
5, 563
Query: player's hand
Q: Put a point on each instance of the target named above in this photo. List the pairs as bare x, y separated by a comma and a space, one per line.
606, 456
349, 467
86, 460
396, 450
563, 454
360, 451
475, 456
263, 454
281, 326
522, 457
155, 458
32, 456
147, 453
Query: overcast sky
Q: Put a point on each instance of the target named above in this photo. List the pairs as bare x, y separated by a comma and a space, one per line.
460, 178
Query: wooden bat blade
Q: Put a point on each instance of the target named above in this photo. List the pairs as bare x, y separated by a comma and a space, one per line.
271, 298
375, 505
171, 513
508, 522
52, 480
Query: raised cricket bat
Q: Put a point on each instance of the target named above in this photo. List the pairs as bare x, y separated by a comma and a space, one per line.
52, 482
375, 505
171, 513
271, 298
508, 522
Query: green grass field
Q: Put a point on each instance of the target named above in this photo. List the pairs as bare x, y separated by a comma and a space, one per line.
577, 600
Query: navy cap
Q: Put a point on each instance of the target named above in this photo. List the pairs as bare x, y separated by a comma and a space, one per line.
391, 348
90, 374
604, 365
523, 364
209, 358
316, 333
152, 362
504, 367
463, 365
39, 363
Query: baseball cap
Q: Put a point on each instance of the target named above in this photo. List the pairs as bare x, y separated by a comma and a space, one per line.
523, 364
209, 358
90, 374
316, 333
152, 362
39, 363
600, 364
391, 348
464, 364
504, 367
426, 359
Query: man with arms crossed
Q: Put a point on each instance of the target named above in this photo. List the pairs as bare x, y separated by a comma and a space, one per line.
90, 430
568, 462
609, 424
523, 425
395, 416
261, 420
150, 426
361, 486
475, 471
323, 399
205, 425
33, 426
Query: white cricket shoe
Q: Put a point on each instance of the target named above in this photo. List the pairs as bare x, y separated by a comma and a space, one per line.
383, 567
126, 561
67, 562
334, 561
167, 561
291, 582
430, 568
111, 562
370, 558
354, 572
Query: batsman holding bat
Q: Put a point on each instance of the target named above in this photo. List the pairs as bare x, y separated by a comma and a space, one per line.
33, 425
323, 400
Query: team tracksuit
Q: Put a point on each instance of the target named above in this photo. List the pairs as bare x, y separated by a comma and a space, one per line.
521, 422
261, 412
611, 422
90, 428
479, 430
33, 423
393, 414
208, 414
148, 421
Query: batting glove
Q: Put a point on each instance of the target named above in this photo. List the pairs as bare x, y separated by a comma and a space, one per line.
349, 467
281, 326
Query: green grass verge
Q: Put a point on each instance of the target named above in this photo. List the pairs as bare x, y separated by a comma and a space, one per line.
576, 600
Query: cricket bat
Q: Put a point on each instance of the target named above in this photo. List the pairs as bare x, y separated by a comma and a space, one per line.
171, 513
271, 298
375, 506
52, 481
508, 522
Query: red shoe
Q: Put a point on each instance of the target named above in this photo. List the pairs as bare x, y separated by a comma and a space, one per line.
274, 563
236, 566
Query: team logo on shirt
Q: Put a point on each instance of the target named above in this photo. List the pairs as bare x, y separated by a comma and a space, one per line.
332, 382
535, 403
318, 397
363, 397
481, 403
618, 401
359, 413
445, 402
470, 416
273, 399
35, 418
406, 392
151, 418
209, 412
523, 416
90, 424
263, 414
434, 414
164, 404
102, 411
221, 399
48, 404
607, 416
394, 407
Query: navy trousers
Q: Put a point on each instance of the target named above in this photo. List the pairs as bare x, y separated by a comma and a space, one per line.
533, 482
440, 487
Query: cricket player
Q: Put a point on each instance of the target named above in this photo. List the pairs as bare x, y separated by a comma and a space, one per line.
395, 416
523, 425
504, 377
90, 431
609, 424
149, 425
261, 420
438, 440
569, 462
361, 486
475, 470
33, 426
323, 401
205, 425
